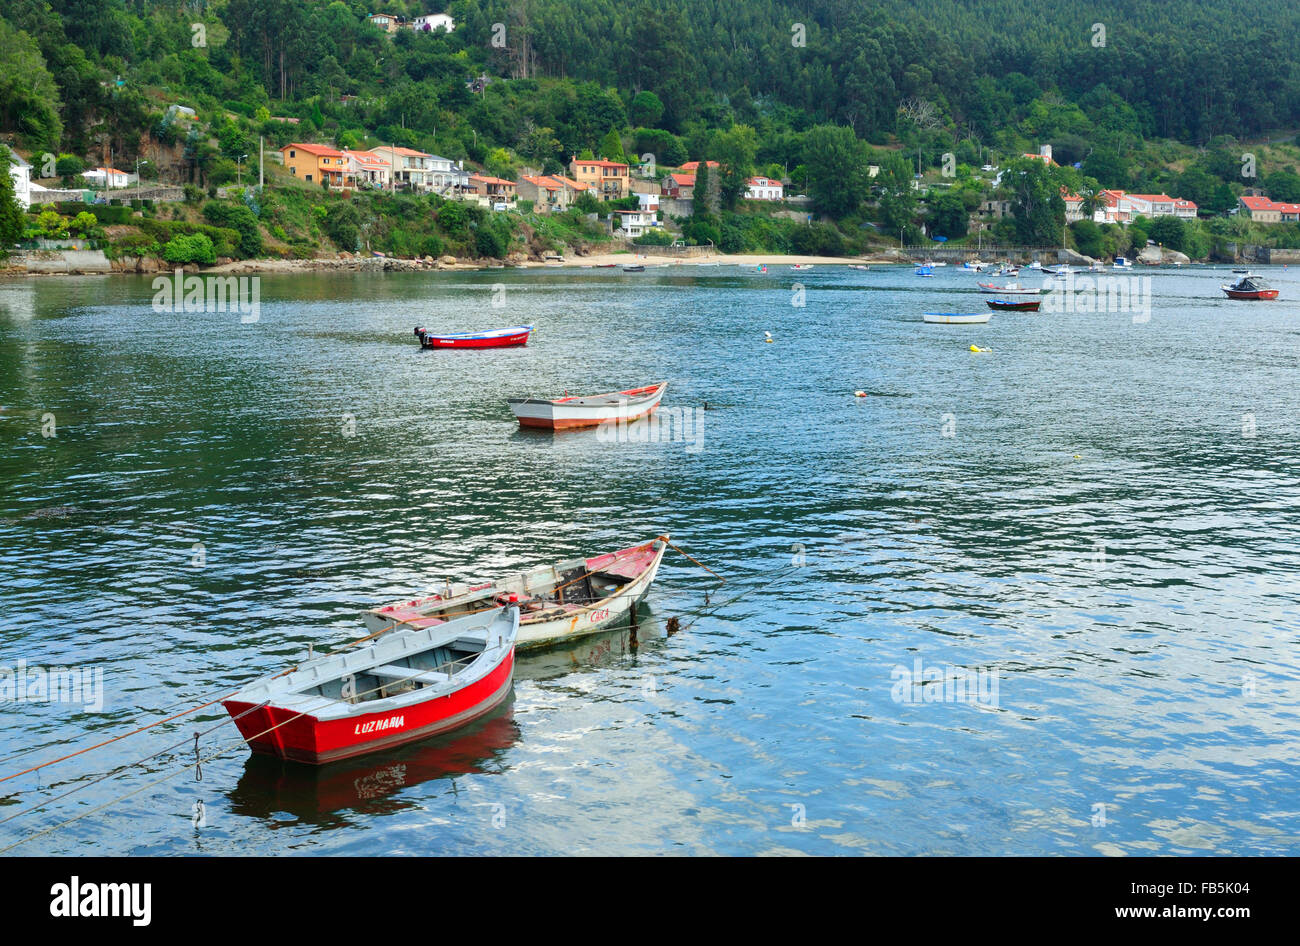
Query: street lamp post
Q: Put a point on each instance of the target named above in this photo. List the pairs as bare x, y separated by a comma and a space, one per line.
138, 162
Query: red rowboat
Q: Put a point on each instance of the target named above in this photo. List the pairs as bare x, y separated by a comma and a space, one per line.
592, 410
1250, 286
497, 338
403, 686
1007, 305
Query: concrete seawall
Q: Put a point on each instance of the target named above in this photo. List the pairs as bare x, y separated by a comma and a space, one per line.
59, 261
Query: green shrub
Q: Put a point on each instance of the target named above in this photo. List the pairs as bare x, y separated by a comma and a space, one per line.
191, 248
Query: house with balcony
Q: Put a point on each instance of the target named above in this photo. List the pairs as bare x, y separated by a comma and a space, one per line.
411, 169
316, 163
608, 180
493, 190
367, 169
384, 21
633, 223
547, 194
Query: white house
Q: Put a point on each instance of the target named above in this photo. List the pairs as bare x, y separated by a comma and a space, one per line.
433, 21
764, 188
633, 223
21, 172
106, 177
649, 203
367, 169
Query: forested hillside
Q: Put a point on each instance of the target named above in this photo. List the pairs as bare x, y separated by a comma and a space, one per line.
1148, 94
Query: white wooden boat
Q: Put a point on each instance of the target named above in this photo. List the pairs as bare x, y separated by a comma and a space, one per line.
956, 318
570, 412
1010, 289
556, 602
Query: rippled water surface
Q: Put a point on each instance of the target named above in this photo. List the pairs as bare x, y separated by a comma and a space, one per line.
1097, 520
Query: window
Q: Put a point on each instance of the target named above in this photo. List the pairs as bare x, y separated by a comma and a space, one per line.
293, 154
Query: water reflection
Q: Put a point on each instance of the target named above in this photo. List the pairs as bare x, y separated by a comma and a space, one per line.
375, 784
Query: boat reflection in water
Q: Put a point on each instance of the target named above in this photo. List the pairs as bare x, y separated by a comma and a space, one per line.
594, 651
374, 783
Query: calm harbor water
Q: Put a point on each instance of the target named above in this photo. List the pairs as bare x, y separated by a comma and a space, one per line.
1096, 522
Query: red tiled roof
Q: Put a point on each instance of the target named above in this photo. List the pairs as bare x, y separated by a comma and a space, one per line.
1265, 203
695, 165
320, 151
683, 180
490, 180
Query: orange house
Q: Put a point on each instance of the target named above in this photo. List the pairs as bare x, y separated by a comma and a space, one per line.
316, 163
609, 179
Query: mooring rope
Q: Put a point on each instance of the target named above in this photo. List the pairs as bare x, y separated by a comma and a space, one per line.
197, 763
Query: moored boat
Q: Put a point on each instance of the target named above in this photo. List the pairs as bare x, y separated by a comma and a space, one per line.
569, 412
566, 600
924, 271
1250, 286
497, 338
802, 266
956, 318
1122, 263
1010, 289
636, 268
1014, 305
395, 689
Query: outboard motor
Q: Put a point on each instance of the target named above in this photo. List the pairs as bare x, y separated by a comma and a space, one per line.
420, 333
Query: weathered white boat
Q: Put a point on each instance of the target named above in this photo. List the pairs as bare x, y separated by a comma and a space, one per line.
956, 318
567, 413
1010, 289
556, 602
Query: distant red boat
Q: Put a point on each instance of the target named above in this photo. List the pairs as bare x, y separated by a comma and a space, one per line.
1250, 286
406, 685
1008, 305
497, 338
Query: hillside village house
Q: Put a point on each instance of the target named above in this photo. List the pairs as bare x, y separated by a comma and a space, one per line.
764, 188
691, 167
492, 190
1263, 210
316, 163
633, 223
679, 185
648, 203
1115, 206
547, 194
106, 177
384, 21
21, 173
367, 169
433, 21
608, 179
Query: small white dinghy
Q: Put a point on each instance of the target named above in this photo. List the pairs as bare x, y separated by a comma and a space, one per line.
956, 318
592, 410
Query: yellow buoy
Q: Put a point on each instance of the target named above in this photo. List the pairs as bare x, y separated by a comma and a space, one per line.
976, 348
